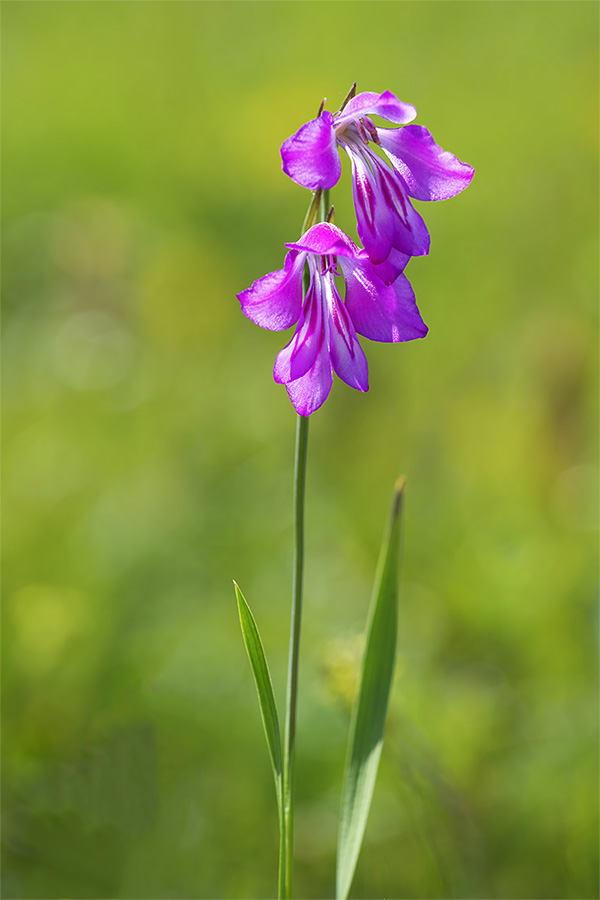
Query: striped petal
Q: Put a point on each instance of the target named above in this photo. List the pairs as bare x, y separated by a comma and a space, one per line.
347, 356
296, 359
310, 391
375, 218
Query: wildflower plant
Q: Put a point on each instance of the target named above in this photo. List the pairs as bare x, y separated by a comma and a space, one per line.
378, 304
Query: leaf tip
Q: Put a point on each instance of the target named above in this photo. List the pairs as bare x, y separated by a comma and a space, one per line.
399, 492
238, 594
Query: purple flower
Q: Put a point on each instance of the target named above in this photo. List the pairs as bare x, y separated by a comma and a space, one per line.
419, 169
326, 332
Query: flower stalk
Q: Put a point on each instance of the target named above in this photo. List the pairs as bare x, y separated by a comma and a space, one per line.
318, 211
286, 886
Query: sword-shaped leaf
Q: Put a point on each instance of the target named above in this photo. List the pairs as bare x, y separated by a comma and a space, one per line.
264, 686
370, 707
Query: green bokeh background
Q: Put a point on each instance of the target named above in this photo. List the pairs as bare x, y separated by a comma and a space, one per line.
148, 455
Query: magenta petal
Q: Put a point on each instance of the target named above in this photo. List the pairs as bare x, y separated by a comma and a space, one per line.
347, 356
381, 312
310, 391
430, 172
296, 359
393, 266
275, 300
375, 218
385, 105
326, 238
410, 232
310, 156
412, 237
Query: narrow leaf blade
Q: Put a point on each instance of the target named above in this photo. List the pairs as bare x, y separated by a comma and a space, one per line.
370, 707
264, 686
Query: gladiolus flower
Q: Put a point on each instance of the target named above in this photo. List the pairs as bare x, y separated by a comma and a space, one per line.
419, 168
325, 339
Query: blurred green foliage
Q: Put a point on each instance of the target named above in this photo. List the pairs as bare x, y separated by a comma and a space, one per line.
148, 455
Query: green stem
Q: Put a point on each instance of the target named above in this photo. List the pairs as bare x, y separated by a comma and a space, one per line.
281, 887
313, 212
317, 212
292, 690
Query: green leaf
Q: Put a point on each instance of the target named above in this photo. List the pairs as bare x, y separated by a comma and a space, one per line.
370, 707
264, 686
